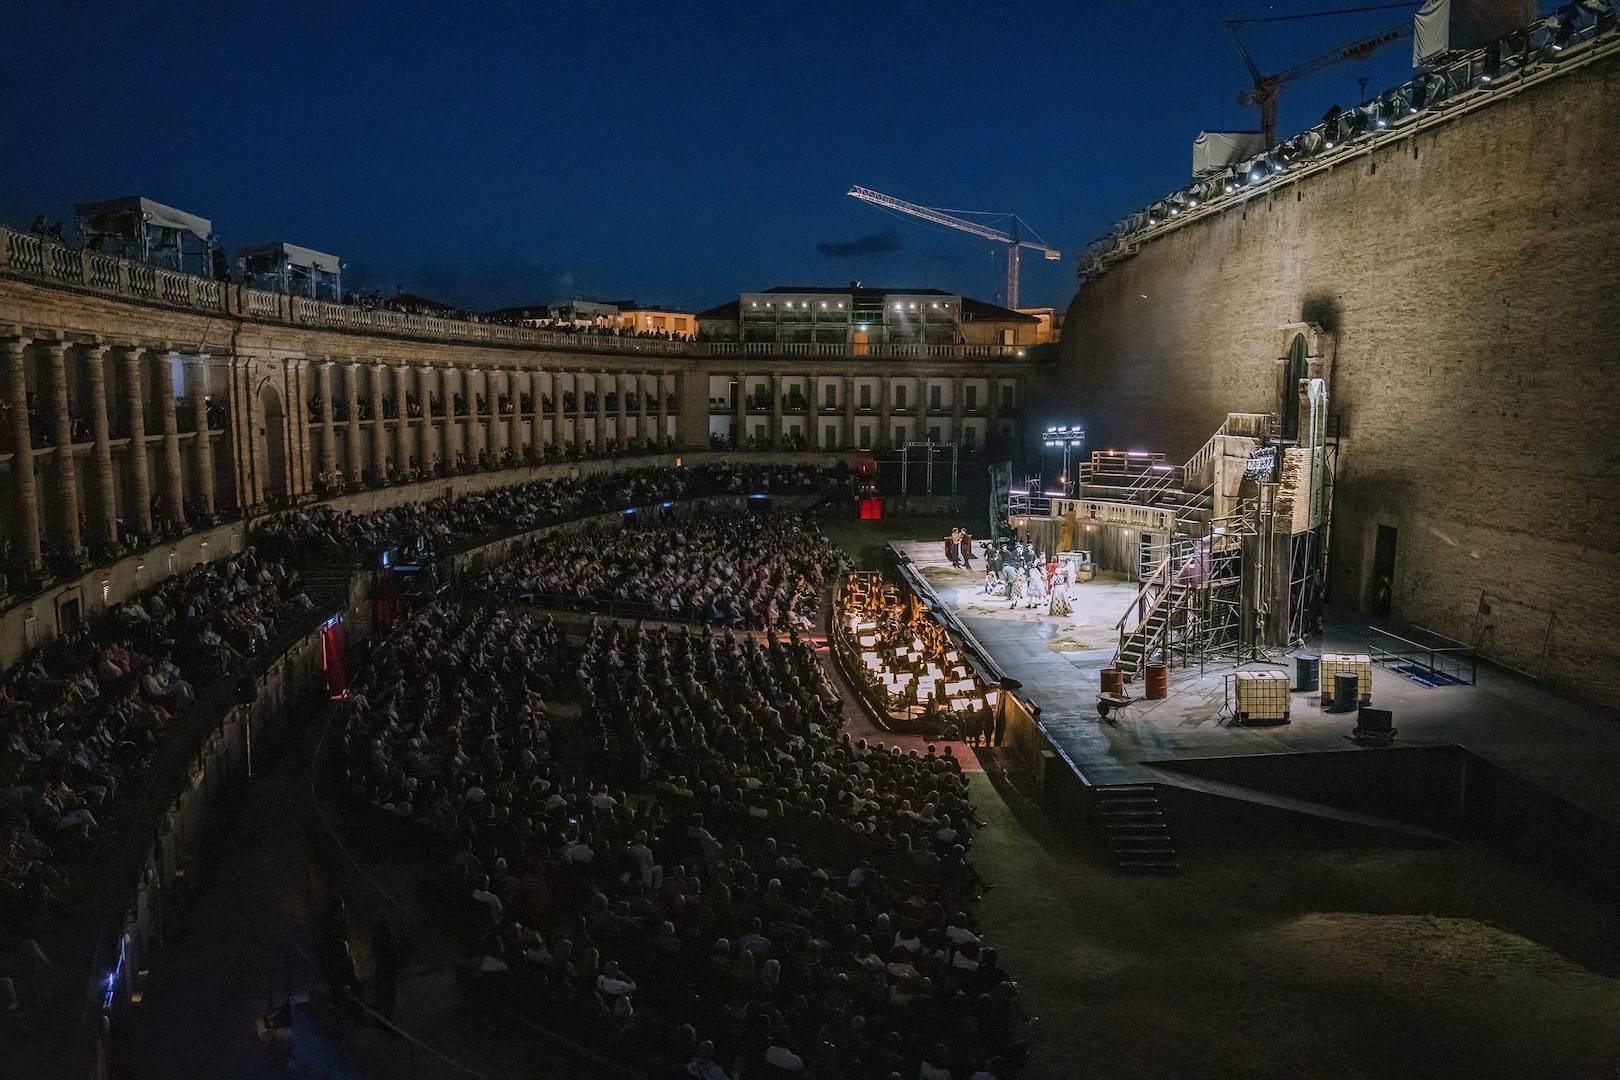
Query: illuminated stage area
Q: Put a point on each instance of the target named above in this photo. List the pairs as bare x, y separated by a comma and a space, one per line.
1187, 741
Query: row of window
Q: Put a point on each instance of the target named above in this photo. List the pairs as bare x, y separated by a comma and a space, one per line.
970, 395
829, 436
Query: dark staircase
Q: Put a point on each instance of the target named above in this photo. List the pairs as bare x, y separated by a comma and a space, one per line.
1136, 829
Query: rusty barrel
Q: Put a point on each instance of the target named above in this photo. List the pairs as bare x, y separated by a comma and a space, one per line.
1158, 682
1113, 680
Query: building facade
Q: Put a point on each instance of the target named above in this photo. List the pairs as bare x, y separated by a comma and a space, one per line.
136, 401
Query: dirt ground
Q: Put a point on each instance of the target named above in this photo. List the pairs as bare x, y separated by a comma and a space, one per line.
1298, 963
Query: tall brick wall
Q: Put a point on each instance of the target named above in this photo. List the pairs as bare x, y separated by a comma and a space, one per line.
1471, 273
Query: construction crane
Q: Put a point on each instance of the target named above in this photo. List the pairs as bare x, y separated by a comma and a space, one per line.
1263, 94
1013, 239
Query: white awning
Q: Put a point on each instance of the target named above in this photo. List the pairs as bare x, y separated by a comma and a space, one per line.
297, 256
1431, 31
149, 212
1215, 150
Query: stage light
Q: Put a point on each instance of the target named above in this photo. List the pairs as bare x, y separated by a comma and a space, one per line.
1493, 61
1562, 25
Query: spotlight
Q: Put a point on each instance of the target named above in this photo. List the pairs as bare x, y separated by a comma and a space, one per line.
1493, 61
1562, 25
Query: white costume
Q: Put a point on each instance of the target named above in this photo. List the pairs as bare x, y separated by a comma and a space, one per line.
1060, 593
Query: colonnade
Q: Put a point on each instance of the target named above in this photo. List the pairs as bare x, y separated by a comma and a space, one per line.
85, 428
378, 418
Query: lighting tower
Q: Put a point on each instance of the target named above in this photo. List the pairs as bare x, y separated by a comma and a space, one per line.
1069, 439
1013, 237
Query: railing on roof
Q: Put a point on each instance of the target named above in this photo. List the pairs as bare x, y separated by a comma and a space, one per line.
1574, 34
30, 256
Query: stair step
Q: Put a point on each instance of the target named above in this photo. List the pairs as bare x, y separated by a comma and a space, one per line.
1167, 867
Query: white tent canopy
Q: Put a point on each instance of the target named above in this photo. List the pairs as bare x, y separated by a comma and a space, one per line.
1216, 150
147, 211
297, 256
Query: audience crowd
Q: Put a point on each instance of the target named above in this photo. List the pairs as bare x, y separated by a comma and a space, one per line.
83, 717
683, 860
320, 532
733, 568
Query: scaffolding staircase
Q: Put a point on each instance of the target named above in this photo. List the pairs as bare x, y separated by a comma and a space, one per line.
1190, 605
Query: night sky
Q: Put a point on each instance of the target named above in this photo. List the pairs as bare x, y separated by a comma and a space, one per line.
501, 154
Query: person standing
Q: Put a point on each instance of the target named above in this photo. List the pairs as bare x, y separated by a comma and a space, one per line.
967, 549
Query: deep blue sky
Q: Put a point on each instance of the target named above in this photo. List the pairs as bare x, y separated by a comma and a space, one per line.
495, 154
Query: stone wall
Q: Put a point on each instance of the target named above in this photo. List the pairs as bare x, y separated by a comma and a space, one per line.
1464, 269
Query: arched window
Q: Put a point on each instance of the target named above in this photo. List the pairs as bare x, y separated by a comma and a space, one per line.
1296, 370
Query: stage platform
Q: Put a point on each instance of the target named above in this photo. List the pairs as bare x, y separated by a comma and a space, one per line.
1565, 748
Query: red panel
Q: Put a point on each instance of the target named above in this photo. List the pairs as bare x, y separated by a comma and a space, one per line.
871, 509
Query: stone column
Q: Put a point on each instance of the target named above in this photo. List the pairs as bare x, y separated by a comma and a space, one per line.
140, 475
403, 443
956, 410
174, 485
22, 460
559, 424
776, 410
379, 426
427, 443
299, 474
599, 436
203, 453
517, 384
660, 410
885, 408
740, 422
66, 473
101, 467
621, 422
643, 427
323, 385
448, 434
497, 381
481, 429
849, 413
351, 394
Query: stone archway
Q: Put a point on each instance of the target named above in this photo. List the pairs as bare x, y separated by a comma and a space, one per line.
275, 445
1295, 367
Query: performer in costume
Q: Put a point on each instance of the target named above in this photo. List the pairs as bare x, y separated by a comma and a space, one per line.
1059, 604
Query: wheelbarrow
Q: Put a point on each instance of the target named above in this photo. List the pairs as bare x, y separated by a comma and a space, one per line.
1107, 703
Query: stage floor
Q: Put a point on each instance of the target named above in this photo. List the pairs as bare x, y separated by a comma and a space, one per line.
1562, 746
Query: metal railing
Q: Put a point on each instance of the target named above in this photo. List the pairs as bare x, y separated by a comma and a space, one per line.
1422, 650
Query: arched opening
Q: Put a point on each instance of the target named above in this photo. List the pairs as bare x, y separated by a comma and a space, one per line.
1295, 370
275, 446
